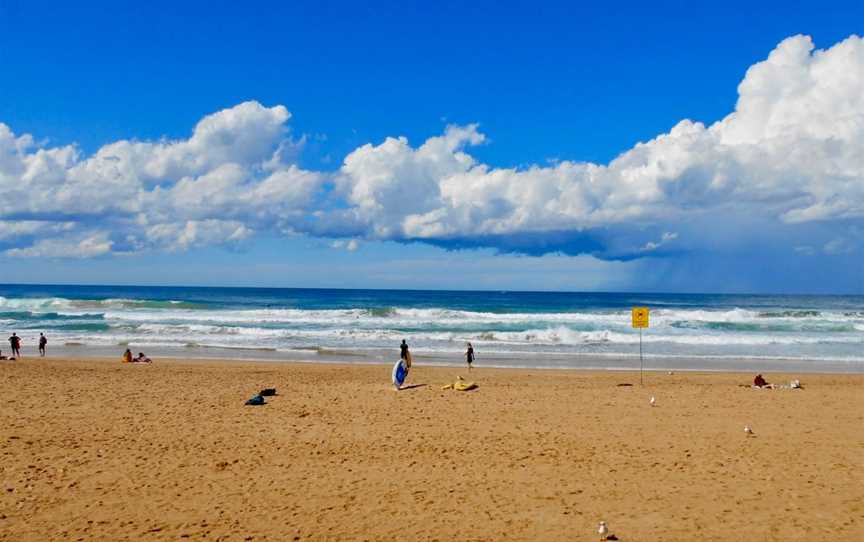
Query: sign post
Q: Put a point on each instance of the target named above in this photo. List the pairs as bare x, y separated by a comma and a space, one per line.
640, 320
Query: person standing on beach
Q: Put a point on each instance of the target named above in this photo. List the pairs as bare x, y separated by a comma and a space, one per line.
404, 353
469, 355
15, 343
42, 342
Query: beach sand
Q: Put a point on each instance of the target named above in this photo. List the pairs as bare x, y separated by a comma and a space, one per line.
99, 450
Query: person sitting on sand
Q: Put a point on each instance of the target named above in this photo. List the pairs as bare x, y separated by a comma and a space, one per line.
141, 358
760, 382
127, 356
469, 356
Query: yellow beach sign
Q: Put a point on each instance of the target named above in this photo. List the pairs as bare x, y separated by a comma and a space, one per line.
640, 316
640, 321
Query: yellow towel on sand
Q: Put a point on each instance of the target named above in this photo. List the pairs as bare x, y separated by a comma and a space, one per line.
460, 385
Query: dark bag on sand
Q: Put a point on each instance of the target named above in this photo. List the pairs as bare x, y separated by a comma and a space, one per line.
256, 400
267, 392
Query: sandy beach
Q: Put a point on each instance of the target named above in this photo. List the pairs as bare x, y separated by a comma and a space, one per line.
99, 450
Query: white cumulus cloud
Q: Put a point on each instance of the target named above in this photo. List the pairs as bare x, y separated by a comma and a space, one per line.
96, 244
791, 152
351, 245
788, 159
227, 180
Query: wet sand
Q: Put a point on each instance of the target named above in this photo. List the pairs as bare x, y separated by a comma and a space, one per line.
99, 450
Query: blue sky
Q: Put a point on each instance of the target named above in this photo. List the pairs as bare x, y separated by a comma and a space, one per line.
546, 84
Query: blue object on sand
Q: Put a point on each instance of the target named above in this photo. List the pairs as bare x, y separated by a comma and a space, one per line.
400, 373
256, 400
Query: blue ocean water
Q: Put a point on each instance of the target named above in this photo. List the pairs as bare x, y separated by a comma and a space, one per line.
542, 329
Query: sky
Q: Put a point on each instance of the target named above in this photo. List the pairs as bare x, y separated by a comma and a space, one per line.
664, 146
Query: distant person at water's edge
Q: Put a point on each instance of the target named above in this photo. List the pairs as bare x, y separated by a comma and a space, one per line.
127, 356
469, 356
15, 343
42, 342
404, 354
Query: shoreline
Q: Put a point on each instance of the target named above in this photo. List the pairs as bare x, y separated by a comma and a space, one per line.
586, 362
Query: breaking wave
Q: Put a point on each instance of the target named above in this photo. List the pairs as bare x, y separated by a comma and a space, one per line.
689, 326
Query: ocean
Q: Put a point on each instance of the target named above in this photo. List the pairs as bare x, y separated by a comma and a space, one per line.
507, 329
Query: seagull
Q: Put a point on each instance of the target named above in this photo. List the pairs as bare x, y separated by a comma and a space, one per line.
602, 530
652, 401
748, 430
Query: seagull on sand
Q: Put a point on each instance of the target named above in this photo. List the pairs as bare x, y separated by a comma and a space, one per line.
748, 430
602, 530
652, 401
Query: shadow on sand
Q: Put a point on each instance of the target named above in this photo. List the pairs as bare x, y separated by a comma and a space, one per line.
412, 386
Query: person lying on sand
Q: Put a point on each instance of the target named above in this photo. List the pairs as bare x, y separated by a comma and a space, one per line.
141, 358
760, 383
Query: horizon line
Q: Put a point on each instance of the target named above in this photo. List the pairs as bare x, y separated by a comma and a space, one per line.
497, 290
